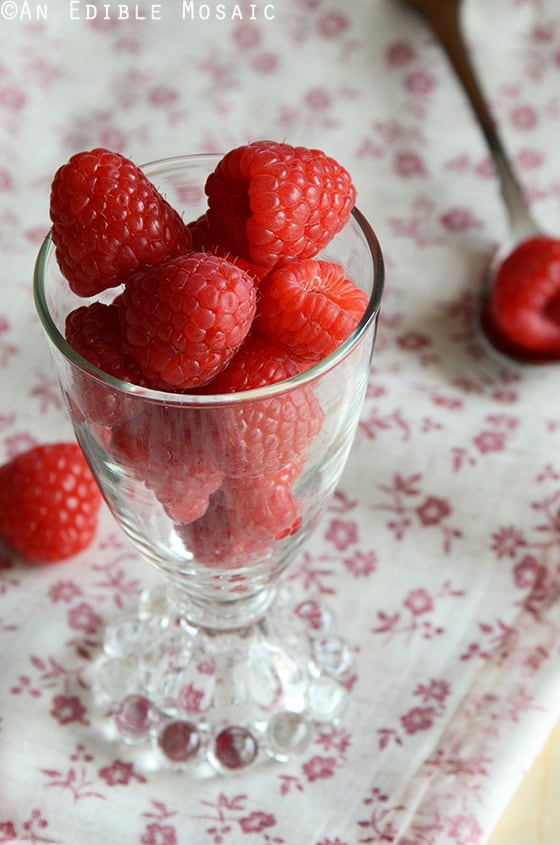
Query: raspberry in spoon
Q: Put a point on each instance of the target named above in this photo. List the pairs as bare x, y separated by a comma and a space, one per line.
522, 313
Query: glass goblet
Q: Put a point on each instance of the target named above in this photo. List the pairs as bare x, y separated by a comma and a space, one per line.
219, 666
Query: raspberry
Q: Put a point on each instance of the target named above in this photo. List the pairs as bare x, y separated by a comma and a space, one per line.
203, 241
265, 507
108, 220
310, 307
170, 449
49, 503
217, 540
522, 315
268, 433
184, 320
257, 363
158, 439
263, 436
245, 519
94, 331
268, 202
185, 492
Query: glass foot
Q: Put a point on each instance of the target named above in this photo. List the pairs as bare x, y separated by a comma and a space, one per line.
222, 700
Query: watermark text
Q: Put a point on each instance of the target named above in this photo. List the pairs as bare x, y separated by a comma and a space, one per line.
186, 10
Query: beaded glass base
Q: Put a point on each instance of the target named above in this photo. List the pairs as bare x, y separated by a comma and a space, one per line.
213, 701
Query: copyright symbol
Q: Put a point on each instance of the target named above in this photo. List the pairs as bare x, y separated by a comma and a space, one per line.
8, 10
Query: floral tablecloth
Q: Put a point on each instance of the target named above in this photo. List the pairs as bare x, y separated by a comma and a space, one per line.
440, 553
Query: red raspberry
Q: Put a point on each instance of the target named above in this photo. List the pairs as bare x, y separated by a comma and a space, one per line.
94, 331
184, 320
202, 241
160, 440
266, 435
309, 307
217, 540
49, 503
265, 507
169, 448
522, 316
257, 363
268, 202
184, 491
263, 436
108, 220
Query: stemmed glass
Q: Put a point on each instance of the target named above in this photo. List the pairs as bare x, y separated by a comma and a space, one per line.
219, 666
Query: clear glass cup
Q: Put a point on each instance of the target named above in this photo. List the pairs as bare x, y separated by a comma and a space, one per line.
219, 666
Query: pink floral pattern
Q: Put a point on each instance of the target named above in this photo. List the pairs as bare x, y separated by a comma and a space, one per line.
439, 551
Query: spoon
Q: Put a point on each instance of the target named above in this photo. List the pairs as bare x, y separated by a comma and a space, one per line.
444, 19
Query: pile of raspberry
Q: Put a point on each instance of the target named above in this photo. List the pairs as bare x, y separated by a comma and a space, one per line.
192, 293
233, 300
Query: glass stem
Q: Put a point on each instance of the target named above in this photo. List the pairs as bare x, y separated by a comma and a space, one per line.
229, 614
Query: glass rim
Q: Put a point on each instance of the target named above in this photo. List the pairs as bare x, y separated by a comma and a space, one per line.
46, 253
